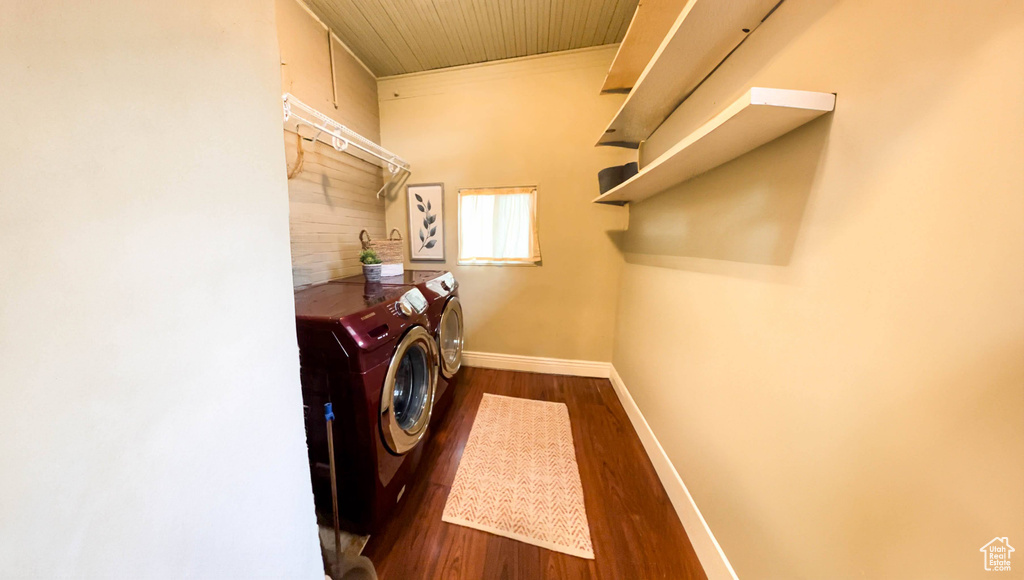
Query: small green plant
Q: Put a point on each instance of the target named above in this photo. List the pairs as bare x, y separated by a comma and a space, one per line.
369, 257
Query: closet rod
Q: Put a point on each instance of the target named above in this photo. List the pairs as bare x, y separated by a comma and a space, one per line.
340, 136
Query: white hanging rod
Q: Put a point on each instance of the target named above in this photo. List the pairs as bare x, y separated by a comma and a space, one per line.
340, 136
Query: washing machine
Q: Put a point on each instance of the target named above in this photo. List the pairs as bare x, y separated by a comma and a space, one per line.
369, 350
444, 312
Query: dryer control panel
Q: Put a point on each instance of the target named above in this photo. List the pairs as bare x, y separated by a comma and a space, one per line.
411, 302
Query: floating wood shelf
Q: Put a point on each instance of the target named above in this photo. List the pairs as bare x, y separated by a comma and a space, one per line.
758, 117
702, 36
650, 23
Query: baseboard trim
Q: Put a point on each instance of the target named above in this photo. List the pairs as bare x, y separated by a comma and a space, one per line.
536, 364
712, 558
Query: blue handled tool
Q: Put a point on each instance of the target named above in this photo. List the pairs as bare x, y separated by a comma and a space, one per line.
329, 416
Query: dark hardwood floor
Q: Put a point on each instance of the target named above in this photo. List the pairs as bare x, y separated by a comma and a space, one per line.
634, 529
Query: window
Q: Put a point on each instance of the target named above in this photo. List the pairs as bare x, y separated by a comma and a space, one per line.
498, 226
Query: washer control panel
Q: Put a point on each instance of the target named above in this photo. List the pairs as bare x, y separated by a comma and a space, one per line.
443, 284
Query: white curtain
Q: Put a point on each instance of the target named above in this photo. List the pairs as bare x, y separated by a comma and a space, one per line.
497, 227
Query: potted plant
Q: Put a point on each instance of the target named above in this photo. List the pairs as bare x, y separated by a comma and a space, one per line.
371, 265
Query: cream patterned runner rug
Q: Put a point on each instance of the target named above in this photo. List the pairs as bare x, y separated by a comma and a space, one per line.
518, 477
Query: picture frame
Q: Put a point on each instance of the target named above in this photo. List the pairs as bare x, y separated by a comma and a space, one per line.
426, 222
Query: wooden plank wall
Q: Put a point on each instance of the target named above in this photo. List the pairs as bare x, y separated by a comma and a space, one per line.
334, 196
331, 200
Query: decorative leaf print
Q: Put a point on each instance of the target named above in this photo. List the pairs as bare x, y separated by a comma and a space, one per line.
428, 232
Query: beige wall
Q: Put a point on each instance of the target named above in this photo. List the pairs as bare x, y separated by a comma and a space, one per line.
524, 122
333, 197
150, 410
306, 71
826, 335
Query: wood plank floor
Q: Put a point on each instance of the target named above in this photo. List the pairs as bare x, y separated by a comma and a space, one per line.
634, 528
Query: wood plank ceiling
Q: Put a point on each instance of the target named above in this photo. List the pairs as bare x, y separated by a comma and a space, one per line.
402, 36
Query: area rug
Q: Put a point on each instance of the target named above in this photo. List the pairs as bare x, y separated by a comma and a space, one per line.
518, 477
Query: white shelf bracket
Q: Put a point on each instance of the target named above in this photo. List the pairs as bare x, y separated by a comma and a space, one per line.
296, 113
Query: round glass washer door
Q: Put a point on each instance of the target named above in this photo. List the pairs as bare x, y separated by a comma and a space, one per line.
449, 337
408, 396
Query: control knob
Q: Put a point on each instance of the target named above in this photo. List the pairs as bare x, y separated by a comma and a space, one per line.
405, 308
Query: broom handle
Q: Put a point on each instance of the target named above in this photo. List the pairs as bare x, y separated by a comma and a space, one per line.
329, 415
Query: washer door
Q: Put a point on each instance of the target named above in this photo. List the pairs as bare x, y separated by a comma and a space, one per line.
449, 337
408, 395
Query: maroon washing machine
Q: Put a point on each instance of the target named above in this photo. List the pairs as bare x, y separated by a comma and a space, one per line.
446, 323
369, 351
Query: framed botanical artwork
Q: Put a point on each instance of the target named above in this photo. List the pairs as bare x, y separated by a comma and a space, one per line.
426, 222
